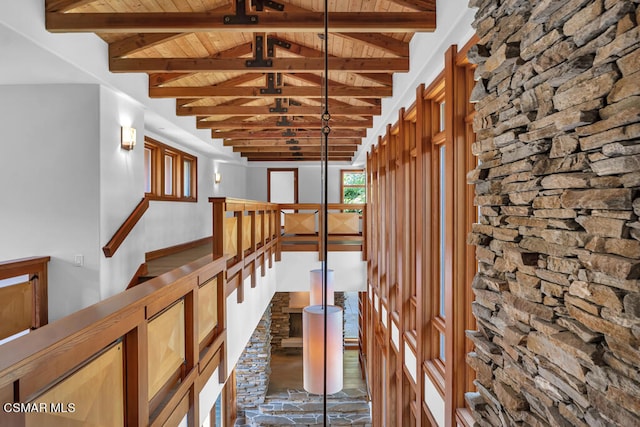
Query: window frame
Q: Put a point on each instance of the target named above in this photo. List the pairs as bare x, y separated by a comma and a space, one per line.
434, 100
344, 186
159, 152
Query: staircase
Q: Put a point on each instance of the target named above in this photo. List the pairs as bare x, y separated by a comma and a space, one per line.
349, 407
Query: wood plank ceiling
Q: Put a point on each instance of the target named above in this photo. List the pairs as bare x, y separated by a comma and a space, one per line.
252, 70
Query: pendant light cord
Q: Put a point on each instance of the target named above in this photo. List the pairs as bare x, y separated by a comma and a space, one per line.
325, 211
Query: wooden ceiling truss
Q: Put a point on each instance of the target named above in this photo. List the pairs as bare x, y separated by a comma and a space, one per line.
252, 70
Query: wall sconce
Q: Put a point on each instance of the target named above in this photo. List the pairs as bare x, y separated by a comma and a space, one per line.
217, 177
127, 137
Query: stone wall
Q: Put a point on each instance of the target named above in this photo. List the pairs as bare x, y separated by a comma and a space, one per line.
279, 320
254, 366
558, 139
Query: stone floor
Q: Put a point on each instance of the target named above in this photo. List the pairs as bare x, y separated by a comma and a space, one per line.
297, 407
287, 403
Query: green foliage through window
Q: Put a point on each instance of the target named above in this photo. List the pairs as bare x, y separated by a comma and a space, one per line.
354, 188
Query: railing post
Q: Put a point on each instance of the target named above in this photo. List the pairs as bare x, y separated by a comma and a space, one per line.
254, 246
364, 233
192, 350
218, 227
240, 253
278, 233
40, 296
137, 378
263, 242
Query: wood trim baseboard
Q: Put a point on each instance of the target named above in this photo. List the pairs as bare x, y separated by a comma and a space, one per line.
159, 253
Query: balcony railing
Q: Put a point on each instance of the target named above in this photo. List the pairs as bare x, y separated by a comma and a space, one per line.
143, 356
24, 301
137, 358
302, 228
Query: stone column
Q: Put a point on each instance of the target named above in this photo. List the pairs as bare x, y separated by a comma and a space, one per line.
254, 366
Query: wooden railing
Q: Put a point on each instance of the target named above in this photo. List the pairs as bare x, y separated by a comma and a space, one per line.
138, 358
23, 305
245, 233
143, 356
302, 228
110, 248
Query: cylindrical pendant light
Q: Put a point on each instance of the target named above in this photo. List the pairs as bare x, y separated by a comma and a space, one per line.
313, 327
316, 290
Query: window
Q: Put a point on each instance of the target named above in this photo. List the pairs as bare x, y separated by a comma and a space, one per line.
353, 188
188, 176
442, 228
170, 174
148, 168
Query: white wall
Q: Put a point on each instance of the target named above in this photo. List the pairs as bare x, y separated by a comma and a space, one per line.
309, 184
350, 272
66, 186
233, 183
242, 319
50, 188
121, 189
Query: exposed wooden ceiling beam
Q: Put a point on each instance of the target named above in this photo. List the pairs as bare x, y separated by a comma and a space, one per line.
285, 92
296, 148
64, 5
380, 41
301, 50
181, 22
314, 134
159, 79
272, 123
317, 81
380, 78
142, 41
299, 142
293, 157
266, 111
139, 42
194, 65
184, 102
243, 49
423, 5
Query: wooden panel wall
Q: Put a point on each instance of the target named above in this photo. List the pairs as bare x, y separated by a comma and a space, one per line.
91, 396
230, 233
166, 342
16, 309
207, 308
300, 223
343, 223
420, 302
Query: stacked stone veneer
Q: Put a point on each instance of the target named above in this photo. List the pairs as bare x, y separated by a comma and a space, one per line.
279, 320
558, 243
254, 366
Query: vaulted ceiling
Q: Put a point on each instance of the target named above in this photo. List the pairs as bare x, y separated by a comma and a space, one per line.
252, 70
